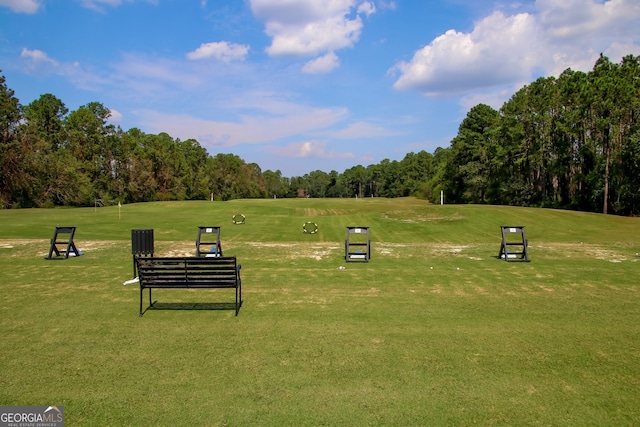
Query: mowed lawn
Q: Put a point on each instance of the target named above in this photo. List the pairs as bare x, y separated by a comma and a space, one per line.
434, 330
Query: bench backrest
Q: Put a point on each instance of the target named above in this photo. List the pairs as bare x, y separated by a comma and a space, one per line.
190, 271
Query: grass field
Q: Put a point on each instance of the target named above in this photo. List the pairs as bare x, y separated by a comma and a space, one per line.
434, 330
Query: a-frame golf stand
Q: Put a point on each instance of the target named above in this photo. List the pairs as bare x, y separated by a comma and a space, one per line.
357, 246
62, 243
513, 237
208, 242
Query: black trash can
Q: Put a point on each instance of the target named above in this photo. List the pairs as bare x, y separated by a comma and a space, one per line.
141, 245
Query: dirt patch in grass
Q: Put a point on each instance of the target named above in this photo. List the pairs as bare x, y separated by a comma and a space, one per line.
13, 243
41, 246
322, 250
413, 216
581, 250
312, 213
176, 249
449, 249
317, 251
295, 250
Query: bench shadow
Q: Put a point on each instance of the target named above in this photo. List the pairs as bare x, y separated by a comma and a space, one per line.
192, 306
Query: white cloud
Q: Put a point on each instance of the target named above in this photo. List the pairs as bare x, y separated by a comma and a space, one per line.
133, 76
577, 31
363, 130
142, 75
310, 149
22, 6
115, 116
97, 5
310, 39
38, 62
495, 99
222, 51
311, 27
456, 62
91, 4
579, 19
323, 64
254, 129
295, 12
366, 8
619, 50
505, 50
307, 148
390, 5
37, 57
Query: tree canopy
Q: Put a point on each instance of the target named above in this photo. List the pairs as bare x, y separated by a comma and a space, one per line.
571, 141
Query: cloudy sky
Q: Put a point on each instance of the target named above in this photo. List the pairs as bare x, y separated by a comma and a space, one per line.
302, 85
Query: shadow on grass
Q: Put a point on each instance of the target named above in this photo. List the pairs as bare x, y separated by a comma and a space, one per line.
192, 306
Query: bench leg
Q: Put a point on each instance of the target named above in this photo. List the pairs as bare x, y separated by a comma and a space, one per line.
238, 297
141, 297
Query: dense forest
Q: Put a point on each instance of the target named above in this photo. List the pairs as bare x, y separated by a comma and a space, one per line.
570, 142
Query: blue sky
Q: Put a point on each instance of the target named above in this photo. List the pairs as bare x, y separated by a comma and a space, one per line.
302, 85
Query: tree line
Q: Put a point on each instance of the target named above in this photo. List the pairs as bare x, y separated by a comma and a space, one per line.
569, 142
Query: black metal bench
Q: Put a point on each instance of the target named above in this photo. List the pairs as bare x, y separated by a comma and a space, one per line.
189, 273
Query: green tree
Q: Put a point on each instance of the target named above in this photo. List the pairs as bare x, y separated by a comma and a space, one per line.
355, 180
318, 183
232, 178
387, 178
276, 184
572, 141
297, 187
11, 167
628, 202
86, 132
46, 117
10, 112
625, 126
431, 187
471, 172
416, 169
193, 169
336, 187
